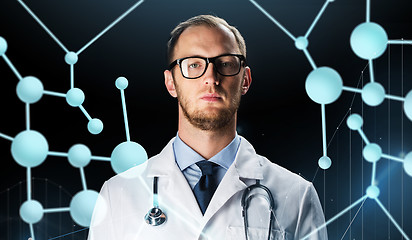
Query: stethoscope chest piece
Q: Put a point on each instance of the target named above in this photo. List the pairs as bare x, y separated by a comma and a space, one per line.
155, 217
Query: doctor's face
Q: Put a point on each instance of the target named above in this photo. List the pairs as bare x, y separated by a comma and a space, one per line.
209, 102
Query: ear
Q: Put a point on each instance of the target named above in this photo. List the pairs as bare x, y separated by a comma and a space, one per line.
170, 84
247, 80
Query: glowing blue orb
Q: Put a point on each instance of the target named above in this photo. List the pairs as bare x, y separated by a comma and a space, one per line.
127, 155
71, 58
121, 83
407, 105
75, 97
324, 162
407, 164
368, 40
373, 94
95, 126
372, 192
324, 85
31, 211
82, 205
79, 155
30, 89
301, 43
29, 148
354, 121
372, 152
3, 46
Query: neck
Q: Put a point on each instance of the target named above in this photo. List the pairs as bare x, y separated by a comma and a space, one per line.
206, 143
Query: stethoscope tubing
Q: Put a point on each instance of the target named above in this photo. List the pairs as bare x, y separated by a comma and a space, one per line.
156, 217
245, 205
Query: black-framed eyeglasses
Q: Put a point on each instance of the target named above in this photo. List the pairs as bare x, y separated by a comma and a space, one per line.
194, 67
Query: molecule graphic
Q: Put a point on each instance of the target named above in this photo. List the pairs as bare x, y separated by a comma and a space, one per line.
323, 85
30, 148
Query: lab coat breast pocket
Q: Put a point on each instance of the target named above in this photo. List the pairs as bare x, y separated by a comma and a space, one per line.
238, 233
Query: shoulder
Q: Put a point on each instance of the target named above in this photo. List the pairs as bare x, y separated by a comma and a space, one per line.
147, 169
282, 174
270, 168
275, 175
138, 172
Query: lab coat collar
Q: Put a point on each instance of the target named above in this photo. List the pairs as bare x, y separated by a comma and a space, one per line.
173, 183
246, 164
161, 164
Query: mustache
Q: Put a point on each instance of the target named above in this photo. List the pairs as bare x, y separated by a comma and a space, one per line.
216, 89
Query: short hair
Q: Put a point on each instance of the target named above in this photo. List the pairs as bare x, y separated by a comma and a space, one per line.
202, 20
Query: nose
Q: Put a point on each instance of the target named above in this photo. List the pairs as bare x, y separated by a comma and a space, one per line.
211, 76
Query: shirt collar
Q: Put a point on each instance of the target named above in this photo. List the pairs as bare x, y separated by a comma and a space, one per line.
186, 156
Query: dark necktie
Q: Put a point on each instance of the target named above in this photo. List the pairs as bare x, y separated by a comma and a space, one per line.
206, 187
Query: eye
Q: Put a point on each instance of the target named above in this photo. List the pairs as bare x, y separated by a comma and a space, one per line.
194, 65
227, 64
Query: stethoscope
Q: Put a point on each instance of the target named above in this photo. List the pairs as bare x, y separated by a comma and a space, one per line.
157, 217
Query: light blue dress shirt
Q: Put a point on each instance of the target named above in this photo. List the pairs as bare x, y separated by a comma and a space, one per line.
186, 159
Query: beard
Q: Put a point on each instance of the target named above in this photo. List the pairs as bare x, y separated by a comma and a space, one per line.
208, 121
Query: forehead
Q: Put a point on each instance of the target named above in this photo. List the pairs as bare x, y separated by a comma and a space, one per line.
205, 41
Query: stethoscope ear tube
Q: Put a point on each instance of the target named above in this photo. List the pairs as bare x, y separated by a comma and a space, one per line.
245, 204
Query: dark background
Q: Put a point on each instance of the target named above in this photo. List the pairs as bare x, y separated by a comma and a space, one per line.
276, 115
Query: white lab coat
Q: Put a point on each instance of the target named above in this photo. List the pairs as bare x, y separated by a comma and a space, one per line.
125, 199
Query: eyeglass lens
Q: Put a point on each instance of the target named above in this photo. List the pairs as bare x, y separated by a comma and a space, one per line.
225, 65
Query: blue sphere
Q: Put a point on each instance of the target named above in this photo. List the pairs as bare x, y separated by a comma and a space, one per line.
82, 205
71, 58
301, 43
354, 121
372, 192
75, 97
372, 152
30, 89
369, 40
31, 211
121, 83
324, 162
407, 105
127, 155
373, 94
29, 148
407, 164
3, 46
79, 155
95, 126
324, 85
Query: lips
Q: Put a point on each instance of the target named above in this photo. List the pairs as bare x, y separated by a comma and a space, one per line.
212, 97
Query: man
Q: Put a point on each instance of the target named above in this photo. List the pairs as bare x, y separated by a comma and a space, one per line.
200, 176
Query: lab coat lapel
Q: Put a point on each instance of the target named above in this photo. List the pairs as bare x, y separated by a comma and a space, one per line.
247, 165
174, 191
